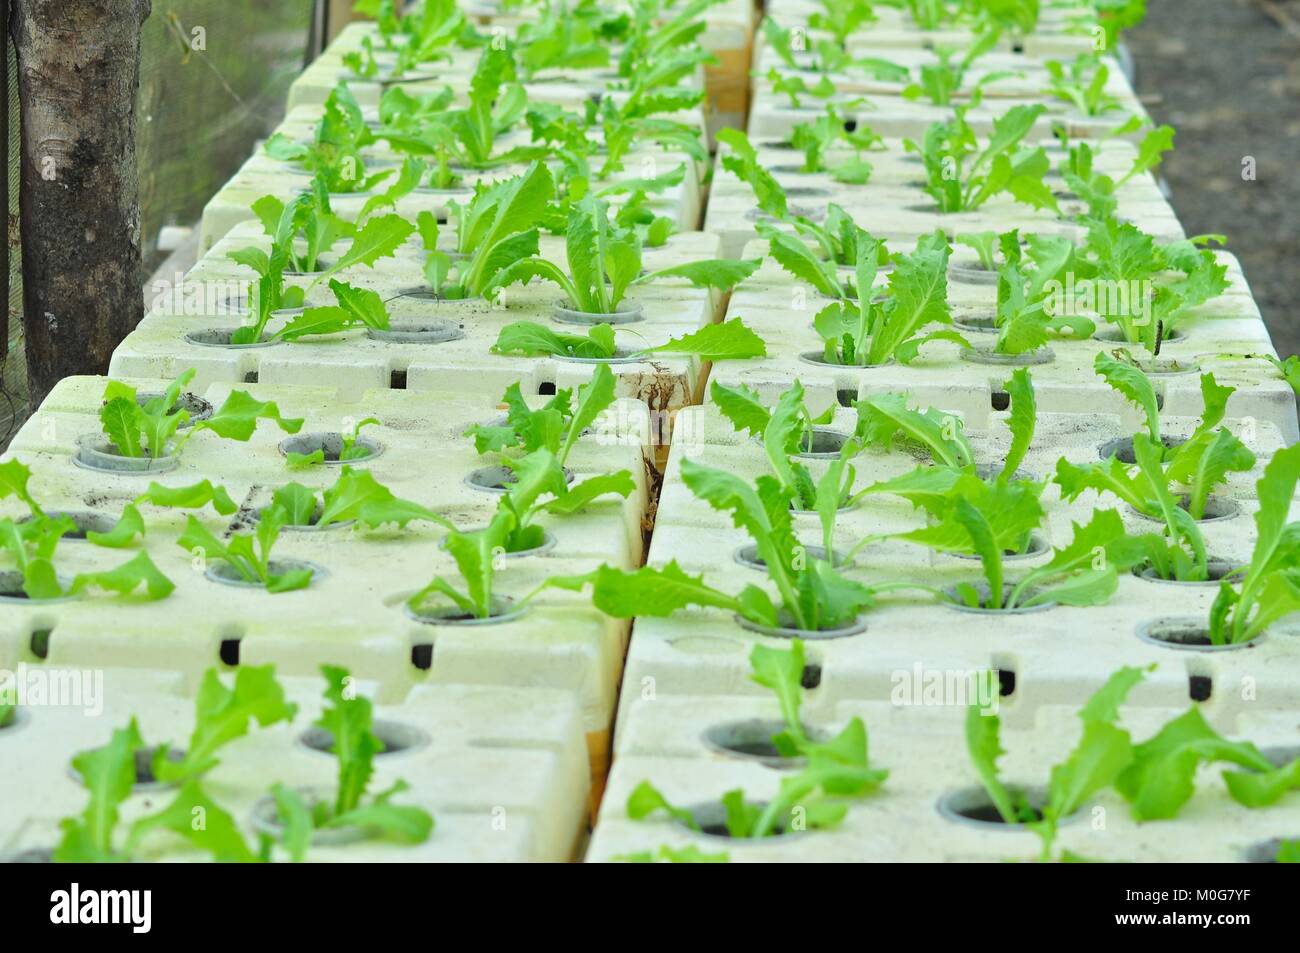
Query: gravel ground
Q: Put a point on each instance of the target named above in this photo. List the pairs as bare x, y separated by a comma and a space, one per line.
1226, 75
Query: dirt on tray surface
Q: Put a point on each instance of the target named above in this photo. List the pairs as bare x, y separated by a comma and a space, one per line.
1226, 75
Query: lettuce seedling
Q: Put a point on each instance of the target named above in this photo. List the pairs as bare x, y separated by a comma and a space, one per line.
962, 177
794, 88
1082, 84
355, 495
350, 450
1270, 585
1161, 777
1025, 319
787, 430
496, 104
349, 719
604, 262
942, 80
836, 771
248, 554
1102, 754
150, 429
730, 341
333, 157
815, 139
835, 240
548, 435
498, 226
564, 38
476, 553
221, 715
873, 331
812, 594
842, 18
555, 426
109, 775
1196, 465
1146, 306
32, 544
825, 56
742, 161
130, 523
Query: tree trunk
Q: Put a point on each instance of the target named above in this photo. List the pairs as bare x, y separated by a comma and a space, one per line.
78, 72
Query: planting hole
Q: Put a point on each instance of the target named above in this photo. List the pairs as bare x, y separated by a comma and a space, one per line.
1189, 633
749, 557
331, 444
846, 396
546, 388
811, 677
1122, 447
39, 855
39, 643
228, 575
499, 479
787, 630
250, 377
1199, 687
751, 739
972, 806
1000, 400
228, 652
503, 610
84, 521
711, 818
1265, 852
1006, 682
422, 656
1216, 570
397, 380
395, 736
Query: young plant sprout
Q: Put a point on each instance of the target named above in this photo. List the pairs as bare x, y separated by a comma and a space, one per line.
961, 177
109, 775
836, 771
222, 715
944, 79
547, 436
149, 429
1153, 306
813, 595
1162, 776
1098, 189
604, 263
333, 157
349, 718
1082, 84
351, 448
499, 225
1270, 584
248, 555
787, 431
1025, 319
730, 341
1170, 475
876, 330
1101, 755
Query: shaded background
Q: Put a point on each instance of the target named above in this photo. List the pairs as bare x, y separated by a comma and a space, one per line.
198, 115
1226, 75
